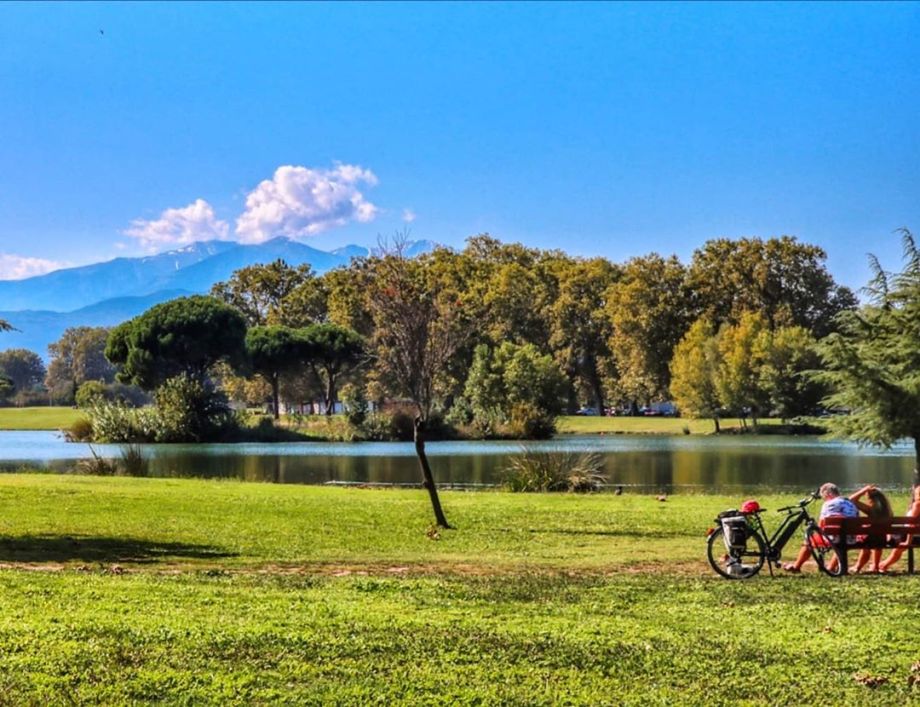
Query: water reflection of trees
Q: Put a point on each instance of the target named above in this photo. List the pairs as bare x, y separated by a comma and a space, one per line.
666, 469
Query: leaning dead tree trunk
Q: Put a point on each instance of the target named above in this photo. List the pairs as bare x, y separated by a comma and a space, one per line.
427, 476
420, 324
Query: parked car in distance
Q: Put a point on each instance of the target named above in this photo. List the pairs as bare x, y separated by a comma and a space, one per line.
587, 411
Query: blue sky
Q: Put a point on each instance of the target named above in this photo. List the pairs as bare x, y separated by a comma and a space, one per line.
608, 130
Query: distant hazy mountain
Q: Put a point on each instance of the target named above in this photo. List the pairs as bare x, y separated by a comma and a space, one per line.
200, 276
351, 251
105, 294
413, 248
38, 328
68, 289
193, 268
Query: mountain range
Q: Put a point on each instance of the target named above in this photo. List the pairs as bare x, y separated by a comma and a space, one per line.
108, 293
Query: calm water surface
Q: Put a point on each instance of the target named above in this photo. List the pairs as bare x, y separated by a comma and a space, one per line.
641, 463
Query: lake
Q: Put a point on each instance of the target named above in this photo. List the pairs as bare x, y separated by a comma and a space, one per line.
649, 464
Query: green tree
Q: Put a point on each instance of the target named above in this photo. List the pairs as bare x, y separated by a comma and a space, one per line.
872, 363
741, 352
515, 285
581, 327
346, 296
23, 368
650, 310
786, 360
694, 370
333, 351
274, 351
185, 336
77, 357
273, 293
503, 379
781, 278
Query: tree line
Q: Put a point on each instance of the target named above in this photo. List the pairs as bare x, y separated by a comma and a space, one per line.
500, 334
493, 331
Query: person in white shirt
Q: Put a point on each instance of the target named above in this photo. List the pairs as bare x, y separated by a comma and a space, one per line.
834, 505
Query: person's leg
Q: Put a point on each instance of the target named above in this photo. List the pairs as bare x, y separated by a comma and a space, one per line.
861, 560
876, 560
800, 560
895, 555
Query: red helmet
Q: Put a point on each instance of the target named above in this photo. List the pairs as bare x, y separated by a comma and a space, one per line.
750, 506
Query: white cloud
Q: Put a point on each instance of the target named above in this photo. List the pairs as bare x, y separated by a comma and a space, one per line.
195, 222
17, 267
298, 201
408, 215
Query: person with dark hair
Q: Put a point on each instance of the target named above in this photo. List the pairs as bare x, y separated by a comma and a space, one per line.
877, 508
913, 511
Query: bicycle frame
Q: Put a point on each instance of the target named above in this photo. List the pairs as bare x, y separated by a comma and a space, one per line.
774, 544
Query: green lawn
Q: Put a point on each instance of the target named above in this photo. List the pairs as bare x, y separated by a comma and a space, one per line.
576, 424
124, 590
54, 418
39, 418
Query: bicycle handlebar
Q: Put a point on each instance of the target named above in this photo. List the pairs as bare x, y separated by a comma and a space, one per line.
813, 496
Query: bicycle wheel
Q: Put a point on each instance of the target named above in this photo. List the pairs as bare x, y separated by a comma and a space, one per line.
823, 551
736, 562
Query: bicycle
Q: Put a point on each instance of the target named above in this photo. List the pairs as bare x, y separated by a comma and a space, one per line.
739, 545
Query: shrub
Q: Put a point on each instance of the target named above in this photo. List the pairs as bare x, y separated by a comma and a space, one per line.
94, 392
528, 421
377, 427
115, 422
130, 395
356, 407
336, 429
80, 431
532, 470
402, 425
191, 410
89, 394
460, 413
35, 397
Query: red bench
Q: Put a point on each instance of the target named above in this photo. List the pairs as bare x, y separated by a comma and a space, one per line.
860, 533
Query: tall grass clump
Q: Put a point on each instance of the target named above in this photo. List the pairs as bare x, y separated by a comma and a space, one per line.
133, 462
96, 465
559, 470
116, 422
130, 463
80, 431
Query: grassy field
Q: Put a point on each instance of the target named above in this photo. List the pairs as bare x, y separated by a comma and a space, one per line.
38, 418
53, 418
123, 590
576, 424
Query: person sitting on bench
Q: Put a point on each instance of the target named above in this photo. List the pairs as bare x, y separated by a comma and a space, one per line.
834, 505
912, 512
877, 509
